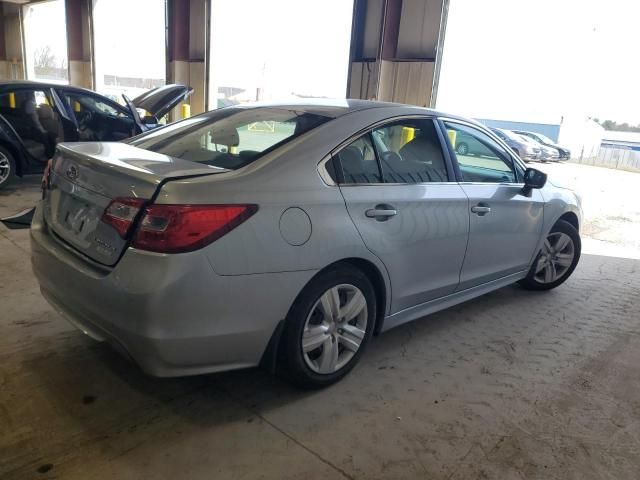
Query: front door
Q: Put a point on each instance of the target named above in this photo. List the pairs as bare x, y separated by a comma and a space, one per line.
505, 223
98, 118
395, 182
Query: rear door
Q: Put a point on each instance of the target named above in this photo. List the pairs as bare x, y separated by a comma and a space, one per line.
505, 223
33, 114
397, 186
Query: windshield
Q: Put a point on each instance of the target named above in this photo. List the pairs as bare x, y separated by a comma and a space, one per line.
510, 135
230, 138
525, 139
544, 139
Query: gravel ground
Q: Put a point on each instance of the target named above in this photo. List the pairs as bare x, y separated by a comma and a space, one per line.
511, 385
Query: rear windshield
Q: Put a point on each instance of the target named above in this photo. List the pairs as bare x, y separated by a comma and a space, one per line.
230, 138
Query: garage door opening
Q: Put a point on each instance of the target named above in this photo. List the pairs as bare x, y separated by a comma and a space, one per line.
129, 46
45, 47
281, 49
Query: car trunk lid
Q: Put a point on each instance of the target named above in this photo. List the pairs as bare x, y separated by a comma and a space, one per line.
87, 177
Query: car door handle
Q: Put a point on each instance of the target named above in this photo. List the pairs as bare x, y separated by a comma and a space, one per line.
481, 209
381, 212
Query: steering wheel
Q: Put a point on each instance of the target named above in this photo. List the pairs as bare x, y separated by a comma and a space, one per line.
85, 119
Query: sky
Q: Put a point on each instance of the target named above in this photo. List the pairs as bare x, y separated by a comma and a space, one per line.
542, 60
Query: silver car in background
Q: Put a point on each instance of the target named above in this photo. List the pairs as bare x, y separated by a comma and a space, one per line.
555, 151
289, 234
523, 147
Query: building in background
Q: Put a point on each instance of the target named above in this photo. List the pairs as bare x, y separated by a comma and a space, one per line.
620, 150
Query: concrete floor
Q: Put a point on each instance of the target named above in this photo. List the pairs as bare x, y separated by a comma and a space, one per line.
512, 385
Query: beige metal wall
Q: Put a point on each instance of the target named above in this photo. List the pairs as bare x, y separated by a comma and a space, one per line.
11, 61
396, 50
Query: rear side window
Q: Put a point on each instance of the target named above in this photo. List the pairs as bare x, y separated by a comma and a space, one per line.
358, 162
410, 152
230, 138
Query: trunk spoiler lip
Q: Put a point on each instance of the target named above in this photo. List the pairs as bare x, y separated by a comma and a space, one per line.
125, 156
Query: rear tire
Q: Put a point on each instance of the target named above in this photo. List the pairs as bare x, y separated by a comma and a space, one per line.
557, 259
328, 327
7, 168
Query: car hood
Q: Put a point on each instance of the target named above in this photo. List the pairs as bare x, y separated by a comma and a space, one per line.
160, 100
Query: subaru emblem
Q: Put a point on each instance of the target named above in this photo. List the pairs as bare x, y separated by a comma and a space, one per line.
72, 172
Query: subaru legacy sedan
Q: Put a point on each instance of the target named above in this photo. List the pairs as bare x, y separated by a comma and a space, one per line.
288, 234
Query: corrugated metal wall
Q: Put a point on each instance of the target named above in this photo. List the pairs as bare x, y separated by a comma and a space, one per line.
622, 157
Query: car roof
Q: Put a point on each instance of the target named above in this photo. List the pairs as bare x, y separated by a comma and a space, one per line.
7, 84
338, 107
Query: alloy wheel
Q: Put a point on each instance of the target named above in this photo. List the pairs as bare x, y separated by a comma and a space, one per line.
463, 149
5, 168
334, 329
556, 257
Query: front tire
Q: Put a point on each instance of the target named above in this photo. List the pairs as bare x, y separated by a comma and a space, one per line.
557, 259
328, 327
462, 148
7, 168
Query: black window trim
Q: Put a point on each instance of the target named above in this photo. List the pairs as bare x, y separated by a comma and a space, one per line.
516, 163
331, 157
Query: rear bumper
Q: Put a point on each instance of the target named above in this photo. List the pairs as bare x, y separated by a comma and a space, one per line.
172, 314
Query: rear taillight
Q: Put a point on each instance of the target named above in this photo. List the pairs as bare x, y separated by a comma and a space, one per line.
121, 213
183, 228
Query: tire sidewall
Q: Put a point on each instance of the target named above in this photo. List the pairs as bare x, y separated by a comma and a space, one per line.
568, 229
296, 366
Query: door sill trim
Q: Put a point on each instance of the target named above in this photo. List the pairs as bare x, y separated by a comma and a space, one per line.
432, 306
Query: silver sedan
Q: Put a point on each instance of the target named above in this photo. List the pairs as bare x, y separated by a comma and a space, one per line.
289, 234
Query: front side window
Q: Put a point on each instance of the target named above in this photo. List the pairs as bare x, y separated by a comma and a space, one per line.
98, 120
480, 158
410, 152
82, 104
230, 138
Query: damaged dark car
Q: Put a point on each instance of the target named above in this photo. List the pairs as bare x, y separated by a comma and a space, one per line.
35, 116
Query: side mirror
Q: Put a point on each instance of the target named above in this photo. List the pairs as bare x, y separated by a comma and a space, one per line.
534, 179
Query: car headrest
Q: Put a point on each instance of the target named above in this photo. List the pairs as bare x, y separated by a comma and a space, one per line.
46, 112
420, 149
391, 157
225, 136
351, 159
